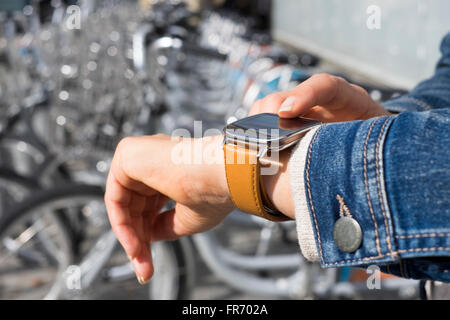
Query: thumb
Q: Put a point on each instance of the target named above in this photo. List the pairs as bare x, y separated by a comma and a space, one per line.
175, 223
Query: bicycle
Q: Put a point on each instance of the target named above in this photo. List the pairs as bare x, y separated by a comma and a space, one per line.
173, 73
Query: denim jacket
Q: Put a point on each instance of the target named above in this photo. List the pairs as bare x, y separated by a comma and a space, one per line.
393, 173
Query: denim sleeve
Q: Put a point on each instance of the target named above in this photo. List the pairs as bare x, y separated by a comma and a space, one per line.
430, 94
392, 175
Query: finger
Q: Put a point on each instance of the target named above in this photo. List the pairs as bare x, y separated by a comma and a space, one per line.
142, 210
322, 114
127, 235
255, 108
143, 264
128, 182
126, 214
155, 204
320, 89
142, 260
269, 104
151, 210
165, 227
136, 212
117, 201
127, 171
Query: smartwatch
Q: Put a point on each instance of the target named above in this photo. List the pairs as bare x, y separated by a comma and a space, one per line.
252, 145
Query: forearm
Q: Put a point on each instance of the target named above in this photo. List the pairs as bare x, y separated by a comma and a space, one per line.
391, 175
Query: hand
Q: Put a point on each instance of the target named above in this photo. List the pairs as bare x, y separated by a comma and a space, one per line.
145, 175
322, 97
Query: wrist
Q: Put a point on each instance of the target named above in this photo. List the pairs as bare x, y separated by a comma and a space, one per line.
212, 172
277, 186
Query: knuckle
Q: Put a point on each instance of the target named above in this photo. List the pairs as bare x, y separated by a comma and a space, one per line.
274, 96
122, 153
308, 89
320, 76
186, 187
124, 144
333, 84
159, 136
360, 90
327, 78
341, 83
340, 79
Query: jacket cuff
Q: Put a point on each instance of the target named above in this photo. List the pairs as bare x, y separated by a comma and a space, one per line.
344, 176
296, 167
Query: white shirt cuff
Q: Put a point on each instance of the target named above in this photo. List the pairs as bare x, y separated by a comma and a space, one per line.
296, 169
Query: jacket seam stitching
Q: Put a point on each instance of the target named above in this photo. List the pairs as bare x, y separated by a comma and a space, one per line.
389, 107
420, 103
369, 202
388, 254
378, 173
356, 260
424, 249
424, 235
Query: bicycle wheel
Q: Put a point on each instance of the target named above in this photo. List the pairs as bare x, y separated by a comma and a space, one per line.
13, 188
88, 200
35, 249
261, 258
174, 270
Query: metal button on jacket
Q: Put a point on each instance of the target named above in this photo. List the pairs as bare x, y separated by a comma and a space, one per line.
347, 234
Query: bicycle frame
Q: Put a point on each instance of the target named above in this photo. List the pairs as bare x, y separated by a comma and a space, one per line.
224, 263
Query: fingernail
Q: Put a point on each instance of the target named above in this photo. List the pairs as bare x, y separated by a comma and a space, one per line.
287, 104
141, 280
129, 258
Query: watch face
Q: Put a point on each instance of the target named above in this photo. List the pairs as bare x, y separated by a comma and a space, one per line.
268, 127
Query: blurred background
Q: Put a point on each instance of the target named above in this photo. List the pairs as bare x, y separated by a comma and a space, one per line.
77, 76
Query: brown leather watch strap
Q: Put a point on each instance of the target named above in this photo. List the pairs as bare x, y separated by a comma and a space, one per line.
243, 177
